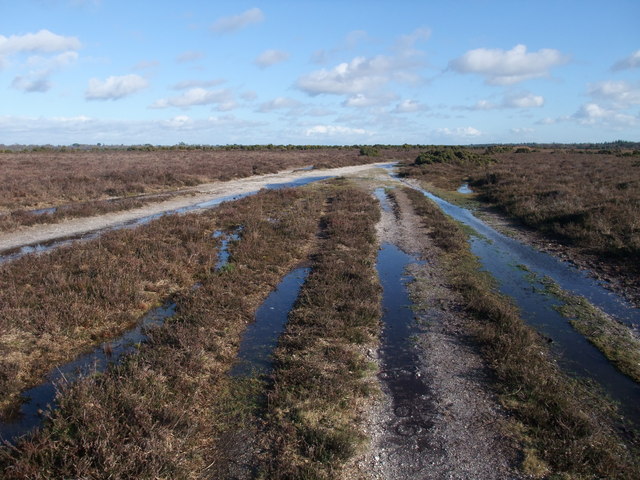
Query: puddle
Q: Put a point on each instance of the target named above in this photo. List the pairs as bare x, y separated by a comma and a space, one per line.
297, 183
261, 337
501, 256
223, 251
464, 188
381, 195
41, 398
44, 211
411, 396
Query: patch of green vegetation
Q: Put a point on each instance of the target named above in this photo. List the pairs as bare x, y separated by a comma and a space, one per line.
613, 339
452, 155
465, 200
369, 151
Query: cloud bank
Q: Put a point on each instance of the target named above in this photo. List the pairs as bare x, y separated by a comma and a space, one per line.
508, 67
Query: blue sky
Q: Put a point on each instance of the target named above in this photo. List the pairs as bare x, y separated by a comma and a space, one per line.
319, 72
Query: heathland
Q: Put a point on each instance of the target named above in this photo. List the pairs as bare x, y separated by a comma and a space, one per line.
330, 407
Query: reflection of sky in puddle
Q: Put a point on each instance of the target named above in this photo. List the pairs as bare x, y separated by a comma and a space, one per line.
464, 188
223, 251
400, 361
381, 195
261, 337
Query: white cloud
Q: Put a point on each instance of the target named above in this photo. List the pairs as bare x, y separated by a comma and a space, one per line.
621, 94
360, 75
189, 56
357, 76
334, 130
270, 57
197, 83
37, 80
361, 100
237, 22
409, 106
42, 41
464, 132
523, 100
484, 105
114, 88
592, 113
511, 100
26, 84
279, 103
632, 61
522, 131
179, 121
198, 96
500, 67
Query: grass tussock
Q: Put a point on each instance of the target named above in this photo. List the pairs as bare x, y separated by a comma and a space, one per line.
322, 375
565, 428
163, 411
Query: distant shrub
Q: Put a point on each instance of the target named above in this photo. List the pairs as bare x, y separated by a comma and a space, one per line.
369, 151
523, 150
451, 155
498, 149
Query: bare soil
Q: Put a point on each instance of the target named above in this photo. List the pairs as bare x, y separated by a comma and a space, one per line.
467, 438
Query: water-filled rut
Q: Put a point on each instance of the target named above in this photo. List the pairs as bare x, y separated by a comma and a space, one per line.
39, 399
505, 258
261, 337
410, 395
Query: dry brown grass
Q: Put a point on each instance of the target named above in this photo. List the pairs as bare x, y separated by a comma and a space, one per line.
161, 412
58, 304
590, 200
40, 179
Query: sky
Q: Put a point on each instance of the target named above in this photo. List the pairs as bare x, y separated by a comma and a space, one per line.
324, 72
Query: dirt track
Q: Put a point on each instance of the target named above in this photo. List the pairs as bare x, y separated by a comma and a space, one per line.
39, 234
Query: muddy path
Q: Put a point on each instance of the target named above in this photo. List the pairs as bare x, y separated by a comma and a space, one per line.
437, 416
200, 196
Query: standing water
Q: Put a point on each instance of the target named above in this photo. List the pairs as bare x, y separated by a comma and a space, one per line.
410, 395
503, 257
261, 337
